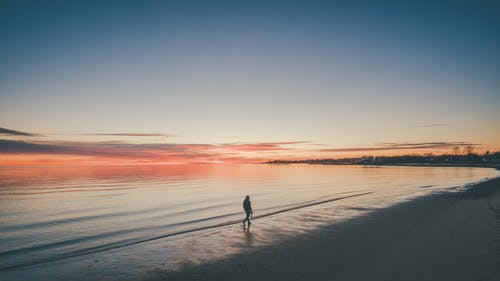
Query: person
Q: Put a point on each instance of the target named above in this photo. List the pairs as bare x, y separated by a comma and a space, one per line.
247, 206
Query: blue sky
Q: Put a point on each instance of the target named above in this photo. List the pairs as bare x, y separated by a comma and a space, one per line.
337, 73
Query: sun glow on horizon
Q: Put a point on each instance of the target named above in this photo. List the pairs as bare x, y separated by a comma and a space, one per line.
25, 149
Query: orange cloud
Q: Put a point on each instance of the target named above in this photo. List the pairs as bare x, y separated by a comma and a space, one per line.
22, 153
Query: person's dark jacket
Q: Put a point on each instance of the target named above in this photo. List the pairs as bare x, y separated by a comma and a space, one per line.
247, 206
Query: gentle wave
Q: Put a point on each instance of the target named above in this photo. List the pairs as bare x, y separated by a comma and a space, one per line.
134, 241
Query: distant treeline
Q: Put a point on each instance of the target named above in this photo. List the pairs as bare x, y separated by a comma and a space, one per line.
470, 159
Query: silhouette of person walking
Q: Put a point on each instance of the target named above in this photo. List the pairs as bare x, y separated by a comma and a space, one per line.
247, 206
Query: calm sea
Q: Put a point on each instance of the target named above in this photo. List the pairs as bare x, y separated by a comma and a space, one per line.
119, 223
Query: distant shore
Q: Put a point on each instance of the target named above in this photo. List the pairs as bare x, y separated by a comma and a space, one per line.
446, 236
487, 160
465, 165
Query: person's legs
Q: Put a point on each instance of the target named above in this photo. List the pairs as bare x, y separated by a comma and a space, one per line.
247, 218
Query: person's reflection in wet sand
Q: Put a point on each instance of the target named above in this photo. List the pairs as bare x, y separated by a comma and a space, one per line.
248, 236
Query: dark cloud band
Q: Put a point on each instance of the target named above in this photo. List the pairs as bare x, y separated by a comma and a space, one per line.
401, 146
4, 131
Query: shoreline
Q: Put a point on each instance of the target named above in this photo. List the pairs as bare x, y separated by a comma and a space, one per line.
444, 236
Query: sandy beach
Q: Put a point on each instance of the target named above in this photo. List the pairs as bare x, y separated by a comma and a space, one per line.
446, 236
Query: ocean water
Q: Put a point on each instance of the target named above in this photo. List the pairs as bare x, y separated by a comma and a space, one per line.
124, 223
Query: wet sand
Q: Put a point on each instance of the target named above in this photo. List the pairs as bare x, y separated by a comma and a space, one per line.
452, 236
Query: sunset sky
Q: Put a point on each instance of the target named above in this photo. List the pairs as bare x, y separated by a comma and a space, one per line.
167, 82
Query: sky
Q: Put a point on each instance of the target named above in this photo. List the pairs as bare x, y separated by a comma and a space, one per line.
165, 82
